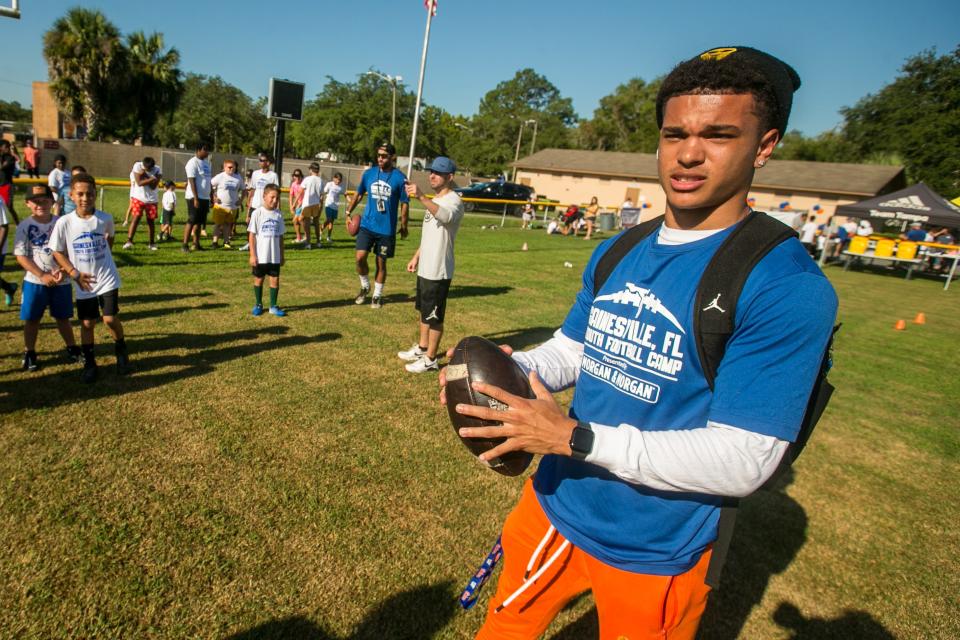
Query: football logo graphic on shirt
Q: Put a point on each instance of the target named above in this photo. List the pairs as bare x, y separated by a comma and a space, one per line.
625, 349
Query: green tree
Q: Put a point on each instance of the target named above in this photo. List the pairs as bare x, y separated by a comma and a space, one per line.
829, 146
496, 127
86, 59
15, 112
916, 118
214, 111
350, 118
626, 120
153, 80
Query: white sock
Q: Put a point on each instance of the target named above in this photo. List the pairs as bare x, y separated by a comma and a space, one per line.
364, 282
377, 289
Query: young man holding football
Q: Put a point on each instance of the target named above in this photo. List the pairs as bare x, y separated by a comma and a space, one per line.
626, 499
378, 226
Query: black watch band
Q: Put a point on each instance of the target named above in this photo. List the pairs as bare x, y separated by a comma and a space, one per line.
581, 441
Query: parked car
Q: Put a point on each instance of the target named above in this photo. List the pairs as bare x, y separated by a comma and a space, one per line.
495, 191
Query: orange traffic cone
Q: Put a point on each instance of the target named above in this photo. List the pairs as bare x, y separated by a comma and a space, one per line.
901, 325
920, 319
524, 247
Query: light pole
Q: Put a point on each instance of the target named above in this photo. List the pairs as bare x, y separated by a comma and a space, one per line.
533, 143
516, 155
393, 80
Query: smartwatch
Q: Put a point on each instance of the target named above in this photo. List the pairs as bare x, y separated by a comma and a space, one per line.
581, 441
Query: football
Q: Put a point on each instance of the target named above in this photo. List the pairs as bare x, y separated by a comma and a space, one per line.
353, 225
476, 359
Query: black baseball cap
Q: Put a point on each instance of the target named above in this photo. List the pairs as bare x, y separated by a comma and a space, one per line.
746, 63
38, 192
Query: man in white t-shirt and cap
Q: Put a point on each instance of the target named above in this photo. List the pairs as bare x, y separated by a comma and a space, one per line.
433, 262
197, 196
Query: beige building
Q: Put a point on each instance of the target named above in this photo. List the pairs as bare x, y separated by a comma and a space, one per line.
574, 176
48, 122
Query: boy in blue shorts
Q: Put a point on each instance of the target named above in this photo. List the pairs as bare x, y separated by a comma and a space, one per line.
265, 237
378, 226
44, 284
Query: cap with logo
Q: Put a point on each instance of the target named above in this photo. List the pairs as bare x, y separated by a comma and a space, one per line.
782, 79
442, 164
39, 192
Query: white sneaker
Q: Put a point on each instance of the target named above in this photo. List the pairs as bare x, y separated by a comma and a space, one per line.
422, 365
128, 245
412, 354
152, 247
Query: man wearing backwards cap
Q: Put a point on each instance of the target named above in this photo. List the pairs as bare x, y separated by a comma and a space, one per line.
626, 499
433, 262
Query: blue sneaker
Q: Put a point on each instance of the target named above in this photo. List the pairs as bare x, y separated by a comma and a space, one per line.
258, 309
8, 294
277, 311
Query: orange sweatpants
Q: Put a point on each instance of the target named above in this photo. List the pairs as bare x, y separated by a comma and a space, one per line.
631, 606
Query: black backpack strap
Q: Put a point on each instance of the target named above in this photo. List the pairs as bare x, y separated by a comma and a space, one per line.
621, 247
722, 281
714, 320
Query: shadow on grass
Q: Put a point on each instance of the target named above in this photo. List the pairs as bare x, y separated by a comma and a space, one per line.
852, 624
36, 392
471, 291
420, 612
403, 298
142, 298
137, 314
771, 529
393, 298
520, 339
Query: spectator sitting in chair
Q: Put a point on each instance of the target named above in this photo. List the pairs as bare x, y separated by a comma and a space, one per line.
570, 219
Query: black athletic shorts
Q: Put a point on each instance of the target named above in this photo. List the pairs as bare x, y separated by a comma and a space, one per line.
266, 269
381, 246
432, 300
167, 217
89, 308
198, 214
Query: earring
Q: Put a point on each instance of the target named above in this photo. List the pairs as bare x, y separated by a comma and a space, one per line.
760, 163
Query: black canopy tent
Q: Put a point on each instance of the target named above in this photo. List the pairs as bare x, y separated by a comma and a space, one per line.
916, 203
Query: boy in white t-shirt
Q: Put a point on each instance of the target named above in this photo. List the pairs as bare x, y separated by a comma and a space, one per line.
228, 186
255, 186
45, 286
433, 262
82, 243
265, 238
145, 177
331, 206
313, 189
169, 204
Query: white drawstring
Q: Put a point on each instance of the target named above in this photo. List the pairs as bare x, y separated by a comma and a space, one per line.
536, 553
540, 572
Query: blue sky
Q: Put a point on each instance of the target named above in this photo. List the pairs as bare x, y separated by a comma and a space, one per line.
843, 49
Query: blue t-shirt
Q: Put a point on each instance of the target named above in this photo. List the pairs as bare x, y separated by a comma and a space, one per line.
640, 367
916, 235
386, 187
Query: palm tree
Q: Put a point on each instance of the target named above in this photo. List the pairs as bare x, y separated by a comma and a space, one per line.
85, 58
154, 80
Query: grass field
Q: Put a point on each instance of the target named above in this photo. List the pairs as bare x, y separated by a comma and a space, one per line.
286, 478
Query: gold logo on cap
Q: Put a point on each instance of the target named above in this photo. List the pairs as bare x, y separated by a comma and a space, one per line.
717, 54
